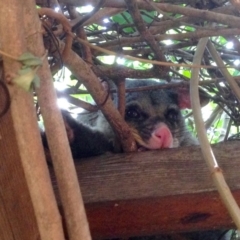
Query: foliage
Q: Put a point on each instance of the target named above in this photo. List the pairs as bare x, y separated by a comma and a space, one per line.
167, 32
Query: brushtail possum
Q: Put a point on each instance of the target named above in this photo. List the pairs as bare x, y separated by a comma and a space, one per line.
154, 117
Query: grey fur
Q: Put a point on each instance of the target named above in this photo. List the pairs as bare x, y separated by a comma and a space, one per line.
153, 105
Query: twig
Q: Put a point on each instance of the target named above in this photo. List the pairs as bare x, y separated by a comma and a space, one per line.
145, 33
187, 11
99, 16
141, 59
228, 130
121, 91
209, 157
218, 110
78, 102
126, 41
81, 22
7, 101
71, 198
234, 86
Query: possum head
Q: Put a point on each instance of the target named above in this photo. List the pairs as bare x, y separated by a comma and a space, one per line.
155, 117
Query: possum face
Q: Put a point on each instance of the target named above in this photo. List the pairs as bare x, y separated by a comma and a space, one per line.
154, 127
155, 118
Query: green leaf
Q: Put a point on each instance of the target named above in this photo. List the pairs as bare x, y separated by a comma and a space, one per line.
222, 40
36, 81
24, 70
72, 77
236, 73
189, 29
28, 59
187, 73
25, 56
124, 18
25, 78
148, 19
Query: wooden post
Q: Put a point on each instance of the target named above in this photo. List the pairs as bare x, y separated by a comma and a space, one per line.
15, 201
28, 206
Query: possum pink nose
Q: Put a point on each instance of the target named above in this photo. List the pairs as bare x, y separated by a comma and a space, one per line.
163, 136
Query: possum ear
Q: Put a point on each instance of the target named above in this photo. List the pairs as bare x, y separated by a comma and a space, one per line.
184, 98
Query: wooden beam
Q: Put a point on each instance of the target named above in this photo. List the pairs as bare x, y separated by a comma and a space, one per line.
27, 198
17, 218
156, 192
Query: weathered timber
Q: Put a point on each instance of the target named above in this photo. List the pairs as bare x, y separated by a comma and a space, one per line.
17, 218
156, 192
27, 202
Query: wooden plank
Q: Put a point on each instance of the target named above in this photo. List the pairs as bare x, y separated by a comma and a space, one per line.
156, 191
155, 216
17, 218
20, 146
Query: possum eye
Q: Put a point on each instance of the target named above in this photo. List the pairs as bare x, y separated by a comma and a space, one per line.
172, 114
134, 112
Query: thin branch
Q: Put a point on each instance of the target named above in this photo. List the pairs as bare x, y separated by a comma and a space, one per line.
78, 102
143, 60
209, 157
187, 11
126, 41
81, 22
99, 16
218, 110
121, 91
234, 86
144, 32
71, 198
80, 32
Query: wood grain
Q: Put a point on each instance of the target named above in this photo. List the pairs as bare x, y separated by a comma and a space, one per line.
17, 218
156, 191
